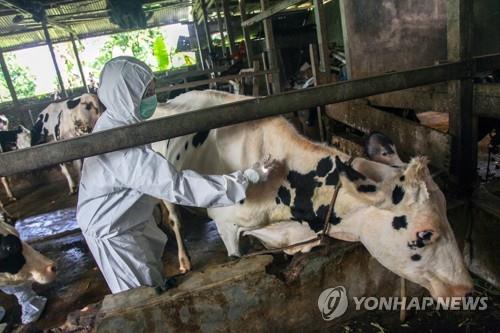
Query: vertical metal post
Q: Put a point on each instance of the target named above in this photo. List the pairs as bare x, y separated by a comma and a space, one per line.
321, 32
53, 55
463, 123
246, 34
80, 67
271, 48
210, 46
229, 28
221, 30
8, 79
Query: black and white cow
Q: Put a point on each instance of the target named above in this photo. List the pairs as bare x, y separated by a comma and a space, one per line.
19, 138
19, 262
399, 214
65, 120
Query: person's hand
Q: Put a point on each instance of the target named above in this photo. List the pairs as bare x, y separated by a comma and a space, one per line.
260, 171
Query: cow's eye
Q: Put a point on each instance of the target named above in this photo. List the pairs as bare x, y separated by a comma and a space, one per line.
425, 235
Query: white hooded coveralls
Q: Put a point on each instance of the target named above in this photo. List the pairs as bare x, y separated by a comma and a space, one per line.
118, 190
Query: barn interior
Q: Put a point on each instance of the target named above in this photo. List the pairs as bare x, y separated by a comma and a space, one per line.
426, 74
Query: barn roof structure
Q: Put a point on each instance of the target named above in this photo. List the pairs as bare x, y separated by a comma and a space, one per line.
21, 21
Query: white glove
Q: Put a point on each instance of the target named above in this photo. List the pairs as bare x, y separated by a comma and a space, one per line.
260, 170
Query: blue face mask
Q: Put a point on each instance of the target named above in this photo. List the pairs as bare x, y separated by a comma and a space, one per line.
148, 107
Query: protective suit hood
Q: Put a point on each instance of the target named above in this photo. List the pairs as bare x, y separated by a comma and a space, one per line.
123, 82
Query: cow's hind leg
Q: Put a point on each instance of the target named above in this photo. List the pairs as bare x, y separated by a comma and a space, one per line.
5, 183
71, 183
171, 217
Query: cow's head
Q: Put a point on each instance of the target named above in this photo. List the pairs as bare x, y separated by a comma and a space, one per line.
4, 123
23, 138
19, 262
380, 148
84, 110
401, 220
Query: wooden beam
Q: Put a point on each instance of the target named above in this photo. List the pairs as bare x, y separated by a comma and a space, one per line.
79, 63
463, 123
54, 60
8, 80
410, 137
229, 29
270, 11
321, 32
246, 34
271, 48
198, 83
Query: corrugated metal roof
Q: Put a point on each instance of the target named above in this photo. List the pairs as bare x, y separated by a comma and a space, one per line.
85, 18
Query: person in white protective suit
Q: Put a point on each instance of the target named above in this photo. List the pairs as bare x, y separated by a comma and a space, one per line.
119, 190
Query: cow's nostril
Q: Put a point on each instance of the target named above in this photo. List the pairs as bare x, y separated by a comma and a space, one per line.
52, 268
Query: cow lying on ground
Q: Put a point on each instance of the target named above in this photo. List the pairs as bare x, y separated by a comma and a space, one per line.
20, 266
65, 120
13, 140
399, 214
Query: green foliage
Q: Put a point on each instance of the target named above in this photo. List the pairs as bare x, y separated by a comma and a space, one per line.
23, 81
161, 53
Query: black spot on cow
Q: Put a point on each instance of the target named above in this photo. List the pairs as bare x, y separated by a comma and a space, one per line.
242, 201
199, 138
45, 133
399, 222
73, 103
186, 146
367, 188
11, 254
419, 243
397, 194
57, 128
284, 195
416, 257
321, 214
350, 173
332, 178
277, 200
46, 118
178, 157
324, 166
402, 178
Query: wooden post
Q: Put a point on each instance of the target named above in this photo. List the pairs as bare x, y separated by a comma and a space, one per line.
53, 55
313, 55
197, 34
246, 34
463, 123
80, 68
321, 32
255, 80
210, 46
266, 67
8, 80
221, 30
271, 48
229, 28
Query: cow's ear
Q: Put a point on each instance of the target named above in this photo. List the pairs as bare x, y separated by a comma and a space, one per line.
414, 179
357, 184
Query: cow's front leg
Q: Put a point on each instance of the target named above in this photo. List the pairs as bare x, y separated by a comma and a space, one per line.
5, 183
171, 217
71, 183
230, 235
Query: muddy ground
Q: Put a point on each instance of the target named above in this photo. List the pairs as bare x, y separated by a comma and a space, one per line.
47, 220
